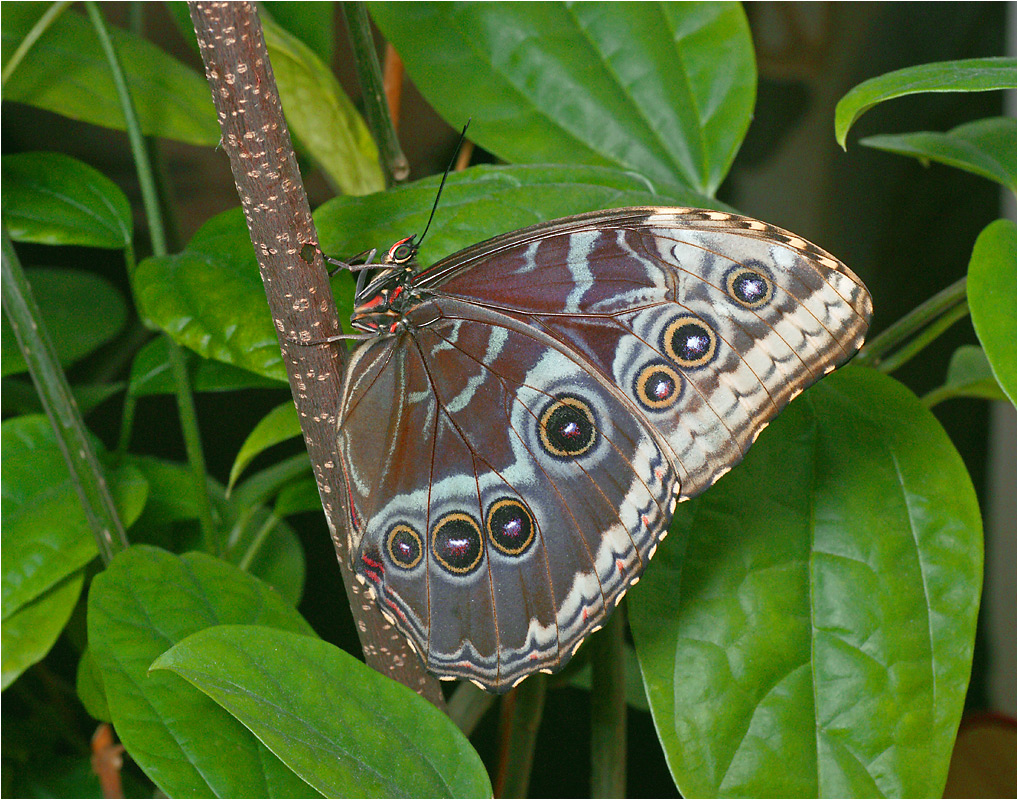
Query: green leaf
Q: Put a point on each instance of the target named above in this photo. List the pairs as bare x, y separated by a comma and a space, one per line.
67, 73
312, 23
89, 684
991, 294
968, 375
663, 89
146, 601
344, 728
277, 426
50, 198
209, 298
152, 373
29, 633
75, 328
322, 116
815, 638
45, 536
482, 202
280, 557
968, 75
985, 147
298, 498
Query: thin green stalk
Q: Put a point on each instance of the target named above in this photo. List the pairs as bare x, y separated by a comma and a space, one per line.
256, 543
157, 232
54, 392
192, 442
521, 717
146, 179
376, 110
608, 709
925, 323
468, 705
31, 38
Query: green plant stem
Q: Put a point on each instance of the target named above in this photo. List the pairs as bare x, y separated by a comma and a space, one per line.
54, 392
888, 351
468, 705
146, 178
521, 717
192, 442
32, 37
256, 544
376, 110
157, 232
608, 709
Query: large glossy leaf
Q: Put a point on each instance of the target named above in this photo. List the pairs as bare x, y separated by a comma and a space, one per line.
152, 373
146, 601
312, 23
66, 72
344, 728
29, 633
277, 558
321, 115
985, 147
664, 89
50, 198
210, 298
815, 636
482, 202
76, 328
991, 294
968, 75
45, 536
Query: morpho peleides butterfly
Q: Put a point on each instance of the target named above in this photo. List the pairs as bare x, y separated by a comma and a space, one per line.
522, 417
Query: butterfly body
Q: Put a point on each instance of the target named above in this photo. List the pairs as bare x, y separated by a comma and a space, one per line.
515, 437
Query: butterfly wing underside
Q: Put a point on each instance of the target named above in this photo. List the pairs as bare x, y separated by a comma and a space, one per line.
513, 457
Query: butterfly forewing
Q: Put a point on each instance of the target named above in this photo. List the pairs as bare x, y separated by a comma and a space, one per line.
513, 448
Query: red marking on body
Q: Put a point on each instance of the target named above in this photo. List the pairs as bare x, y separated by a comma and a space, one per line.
533, 656
644, 520
396, 293
374, 301
373, 576
392, 328
584, 613
621, 565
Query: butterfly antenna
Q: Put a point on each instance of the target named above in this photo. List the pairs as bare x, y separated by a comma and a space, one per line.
441, 186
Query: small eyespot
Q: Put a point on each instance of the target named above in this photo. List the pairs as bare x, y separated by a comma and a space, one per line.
657, 386
567, 427
510, 526
403, 544
456, 543
690, 342
748, 287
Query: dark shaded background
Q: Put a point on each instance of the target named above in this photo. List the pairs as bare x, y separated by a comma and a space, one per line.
905, 229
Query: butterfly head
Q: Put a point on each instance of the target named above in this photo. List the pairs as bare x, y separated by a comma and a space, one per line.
377, 303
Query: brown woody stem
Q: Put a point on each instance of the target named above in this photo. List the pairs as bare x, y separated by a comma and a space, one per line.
257, 141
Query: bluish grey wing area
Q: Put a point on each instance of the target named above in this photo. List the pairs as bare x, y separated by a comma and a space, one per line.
709, 322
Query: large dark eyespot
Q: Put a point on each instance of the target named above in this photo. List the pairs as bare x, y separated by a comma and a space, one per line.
690, 342
748, 288
510, 526
404, 546
567, 427
456, 543
657, 386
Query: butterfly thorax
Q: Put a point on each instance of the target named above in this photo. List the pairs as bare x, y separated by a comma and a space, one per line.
384, 295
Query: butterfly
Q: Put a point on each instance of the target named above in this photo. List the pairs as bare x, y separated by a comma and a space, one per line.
521, 418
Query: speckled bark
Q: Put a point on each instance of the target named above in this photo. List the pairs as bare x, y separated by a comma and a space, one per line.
256, 139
